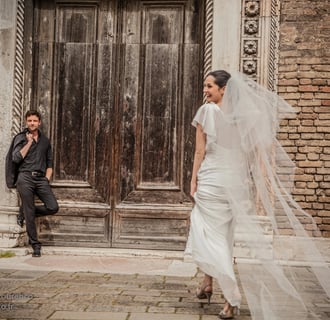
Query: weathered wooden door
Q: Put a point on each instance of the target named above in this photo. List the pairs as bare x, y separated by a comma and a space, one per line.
118, 83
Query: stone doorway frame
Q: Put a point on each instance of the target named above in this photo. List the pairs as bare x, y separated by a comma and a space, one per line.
254, 23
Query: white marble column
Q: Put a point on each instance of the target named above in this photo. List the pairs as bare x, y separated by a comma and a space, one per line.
226, 35
10, 232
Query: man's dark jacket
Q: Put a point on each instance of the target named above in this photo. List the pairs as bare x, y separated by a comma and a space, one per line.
12, 167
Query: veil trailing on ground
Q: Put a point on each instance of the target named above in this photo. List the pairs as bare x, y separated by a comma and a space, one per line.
248, 122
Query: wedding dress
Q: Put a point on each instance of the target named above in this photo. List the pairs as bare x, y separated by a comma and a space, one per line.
243, 160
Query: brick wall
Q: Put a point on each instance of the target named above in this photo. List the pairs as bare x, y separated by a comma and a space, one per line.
304, 81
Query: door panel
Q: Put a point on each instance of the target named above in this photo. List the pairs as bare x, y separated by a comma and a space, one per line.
157, 145
150, 227
117, 84
76, 39
74, 112
159, 130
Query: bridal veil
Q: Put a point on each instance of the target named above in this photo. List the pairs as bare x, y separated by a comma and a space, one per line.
248, 122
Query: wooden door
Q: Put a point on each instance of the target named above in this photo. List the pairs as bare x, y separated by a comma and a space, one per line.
117, 83
160, 76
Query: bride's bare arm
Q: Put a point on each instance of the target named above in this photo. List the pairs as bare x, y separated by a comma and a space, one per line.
198, 157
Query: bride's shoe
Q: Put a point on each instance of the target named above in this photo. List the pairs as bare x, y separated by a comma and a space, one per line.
229, 312
205, 293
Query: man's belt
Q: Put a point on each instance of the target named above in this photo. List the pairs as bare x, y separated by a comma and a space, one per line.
37, 174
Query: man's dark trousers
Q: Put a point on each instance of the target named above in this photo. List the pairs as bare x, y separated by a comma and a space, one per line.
28, 186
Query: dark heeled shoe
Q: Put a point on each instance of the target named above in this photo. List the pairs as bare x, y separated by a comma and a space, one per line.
203, 293
229, 313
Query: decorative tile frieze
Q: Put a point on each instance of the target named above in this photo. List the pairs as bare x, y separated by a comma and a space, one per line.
251, 26
250, 37
250, 47
259, 40
252, 8
250, 67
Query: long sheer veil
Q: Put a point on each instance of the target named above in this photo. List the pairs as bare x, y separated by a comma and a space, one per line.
249, 121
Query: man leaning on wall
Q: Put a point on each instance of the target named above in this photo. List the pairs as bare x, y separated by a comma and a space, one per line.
32, 154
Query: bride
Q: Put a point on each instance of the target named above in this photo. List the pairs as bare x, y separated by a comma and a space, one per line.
238, 158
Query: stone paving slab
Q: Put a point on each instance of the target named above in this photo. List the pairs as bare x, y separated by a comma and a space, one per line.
59, 315
139, 316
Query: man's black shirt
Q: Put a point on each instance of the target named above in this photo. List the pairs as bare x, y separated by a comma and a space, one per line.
39, 156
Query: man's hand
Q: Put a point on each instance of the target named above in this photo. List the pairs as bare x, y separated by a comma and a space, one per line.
26, 148
29, 137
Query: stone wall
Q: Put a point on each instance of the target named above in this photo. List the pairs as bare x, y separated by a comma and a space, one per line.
304, 81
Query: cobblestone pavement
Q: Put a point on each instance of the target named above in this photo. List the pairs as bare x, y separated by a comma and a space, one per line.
88, 295
152, 294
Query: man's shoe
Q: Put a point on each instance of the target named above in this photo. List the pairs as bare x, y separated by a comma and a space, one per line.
36, 253
20, 217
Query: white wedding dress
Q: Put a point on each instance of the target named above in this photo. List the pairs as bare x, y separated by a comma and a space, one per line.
212, 219
244, 160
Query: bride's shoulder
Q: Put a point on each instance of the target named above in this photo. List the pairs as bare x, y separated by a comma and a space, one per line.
209, 107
